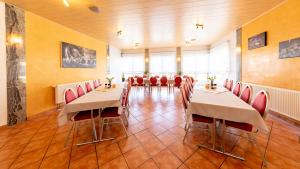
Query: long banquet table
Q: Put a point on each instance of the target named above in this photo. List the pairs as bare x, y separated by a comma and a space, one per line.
224, 105
97, 99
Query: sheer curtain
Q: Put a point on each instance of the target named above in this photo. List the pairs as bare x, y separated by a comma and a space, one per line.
162, 63
195, 63
219, 62
133, 64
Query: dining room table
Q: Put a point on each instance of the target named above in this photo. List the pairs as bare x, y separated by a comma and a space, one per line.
222, 104
97, 99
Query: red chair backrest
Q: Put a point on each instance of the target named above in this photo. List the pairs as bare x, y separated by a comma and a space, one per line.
124, 98
153, 80
140, 80
229, 85
131, 80
225, 83
184, 99
237, 89
69, 96
260, 102
178, 80
88, 87
157, 76
80, 91
95, 84
144, 76
187, 92
99, 82
246, 94
163, 80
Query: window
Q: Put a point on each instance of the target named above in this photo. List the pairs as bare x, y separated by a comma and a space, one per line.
195, 64
133, 64
219, 62
162, 63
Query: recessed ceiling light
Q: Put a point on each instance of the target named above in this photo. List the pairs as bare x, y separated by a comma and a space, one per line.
66, 3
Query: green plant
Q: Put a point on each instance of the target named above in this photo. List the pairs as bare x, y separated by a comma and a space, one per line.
146, 72
211, 78
109, 79
179, 72
123, 77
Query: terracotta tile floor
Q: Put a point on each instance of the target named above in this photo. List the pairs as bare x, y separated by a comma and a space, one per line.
156, 131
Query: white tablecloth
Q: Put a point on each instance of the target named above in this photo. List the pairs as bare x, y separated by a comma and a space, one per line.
224, 105
99, 98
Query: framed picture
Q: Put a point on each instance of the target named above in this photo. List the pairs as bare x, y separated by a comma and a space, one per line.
289, 48
74, 56
257, 41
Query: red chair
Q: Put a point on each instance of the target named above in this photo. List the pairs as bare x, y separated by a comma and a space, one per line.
95, 84
145, 76
237, 89
70, 96
140, 81
112, 114
131, 80
99, 82
196, 119
225, 83
177, 81
80, 91
163, 81
260, 103
153, 82
229, 85
88, 87
157, 76
246, 94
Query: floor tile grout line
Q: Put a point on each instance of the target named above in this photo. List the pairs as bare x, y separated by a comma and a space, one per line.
122, 154
48, 147
96, 156
27, 143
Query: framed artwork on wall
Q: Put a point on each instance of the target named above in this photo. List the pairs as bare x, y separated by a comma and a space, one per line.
257, 41
74, 56
289, 48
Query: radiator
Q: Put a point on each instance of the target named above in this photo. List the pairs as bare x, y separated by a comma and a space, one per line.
283, 101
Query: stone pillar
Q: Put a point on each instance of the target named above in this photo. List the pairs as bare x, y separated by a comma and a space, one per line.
16, 64
3, 88
147, 59
239, 54
178, 59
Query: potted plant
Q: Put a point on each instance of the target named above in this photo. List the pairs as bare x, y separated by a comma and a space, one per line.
146, 72
109, 79
179, 72
211, 79
123, 77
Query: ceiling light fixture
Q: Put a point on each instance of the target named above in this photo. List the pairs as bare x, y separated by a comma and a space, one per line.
120, 34
199, 26
188, 43
66, 2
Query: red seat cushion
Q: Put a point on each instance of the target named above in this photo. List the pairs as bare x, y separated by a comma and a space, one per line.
110, 112
84, 115
203, 119
242, 126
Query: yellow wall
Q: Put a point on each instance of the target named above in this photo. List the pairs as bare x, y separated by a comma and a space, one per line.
263, 66
43, 61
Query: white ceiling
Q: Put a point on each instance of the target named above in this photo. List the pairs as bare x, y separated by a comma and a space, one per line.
152, 23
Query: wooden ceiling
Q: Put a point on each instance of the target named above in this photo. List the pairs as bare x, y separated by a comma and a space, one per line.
151, 23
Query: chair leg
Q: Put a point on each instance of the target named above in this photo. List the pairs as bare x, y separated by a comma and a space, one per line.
93, 125
213, 135
223, 136
69, 133
186, 132
124, 126
254, 142
101, 131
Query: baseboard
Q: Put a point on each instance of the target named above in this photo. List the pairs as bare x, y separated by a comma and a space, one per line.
44, 113
285, 118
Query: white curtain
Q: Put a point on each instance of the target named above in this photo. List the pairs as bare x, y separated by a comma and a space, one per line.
133, 64
195, 63
162, 63
219, 61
